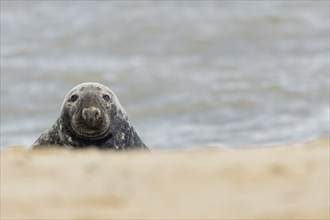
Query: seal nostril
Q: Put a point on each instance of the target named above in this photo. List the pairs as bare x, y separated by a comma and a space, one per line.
91, 113
86, 131
97, 113
84, 114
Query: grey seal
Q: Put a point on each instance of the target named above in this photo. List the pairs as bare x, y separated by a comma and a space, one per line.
91, 115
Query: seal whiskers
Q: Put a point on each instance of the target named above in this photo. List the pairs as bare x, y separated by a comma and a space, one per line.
91, 115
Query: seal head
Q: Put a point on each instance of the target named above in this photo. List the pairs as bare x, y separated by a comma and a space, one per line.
91, 115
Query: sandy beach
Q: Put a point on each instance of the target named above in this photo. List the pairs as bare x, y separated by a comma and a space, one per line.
282, 182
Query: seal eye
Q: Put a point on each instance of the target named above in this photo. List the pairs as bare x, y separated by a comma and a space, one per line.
106, 98
73, 98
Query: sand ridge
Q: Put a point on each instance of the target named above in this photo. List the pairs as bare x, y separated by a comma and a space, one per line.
278, 182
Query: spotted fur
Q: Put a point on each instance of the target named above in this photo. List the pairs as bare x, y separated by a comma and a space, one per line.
112, 130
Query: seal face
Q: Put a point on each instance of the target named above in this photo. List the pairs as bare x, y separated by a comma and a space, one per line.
91, 115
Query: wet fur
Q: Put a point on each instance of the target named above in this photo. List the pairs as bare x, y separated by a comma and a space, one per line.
119, 134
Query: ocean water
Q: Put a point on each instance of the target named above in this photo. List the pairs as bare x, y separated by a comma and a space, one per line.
188, 73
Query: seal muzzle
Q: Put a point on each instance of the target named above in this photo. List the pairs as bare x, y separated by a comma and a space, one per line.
91, 115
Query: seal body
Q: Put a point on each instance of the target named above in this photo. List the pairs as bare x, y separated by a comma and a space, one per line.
91, 115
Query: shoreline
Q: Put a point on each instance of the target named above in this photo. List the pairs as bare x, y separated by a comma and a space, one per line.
281, 182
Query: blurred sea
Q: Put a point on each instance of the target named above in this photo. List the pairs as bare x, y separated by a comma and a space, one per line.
188, 73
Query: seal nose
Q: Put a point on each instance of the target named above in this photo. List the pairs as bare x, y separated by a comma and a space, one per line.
91, 114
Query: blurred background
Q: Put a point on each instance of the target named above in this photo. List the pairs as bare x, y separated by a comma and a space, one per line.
189, 74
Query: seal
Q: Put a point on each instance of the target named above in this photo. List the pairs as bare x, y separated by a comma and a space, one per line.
91, 115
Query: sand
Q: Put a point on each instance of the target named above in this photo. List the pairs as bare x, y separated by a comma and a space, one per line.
283, 182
